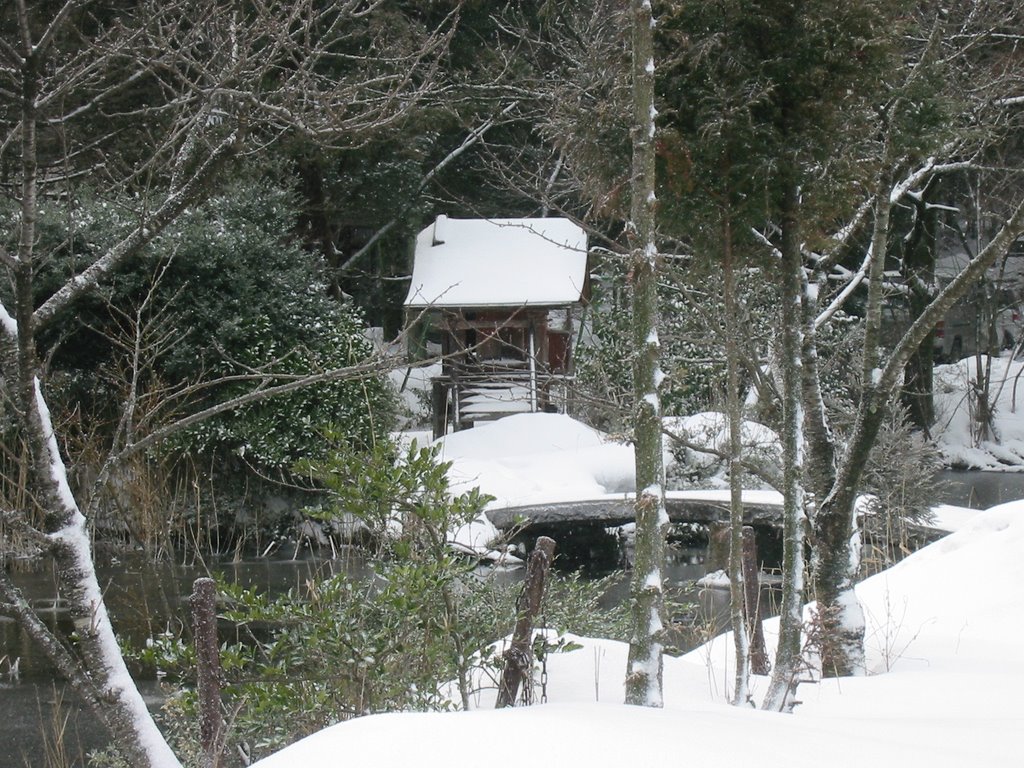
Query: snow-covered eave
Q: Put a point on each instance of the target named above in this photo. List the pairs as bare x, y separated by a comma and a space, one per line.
463, 307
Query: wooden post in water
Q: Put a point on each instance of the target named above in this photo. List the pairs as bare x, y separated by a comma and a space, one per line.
209, 677
519, 656
759, 664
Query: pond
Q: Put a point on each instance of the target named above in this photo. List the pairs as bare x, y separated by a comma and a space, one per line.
142, 597
979, 490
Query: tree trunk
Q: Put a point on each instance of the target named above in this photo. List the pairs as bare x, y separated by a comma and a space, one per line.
759, 664
120, 706
102, 681
208, 670
787, 656
644, 672
734, 410
918, 268
840, 619
519, 657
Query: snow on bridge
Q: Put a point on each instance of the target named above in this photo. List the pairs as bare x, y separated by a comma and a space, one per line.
759, 508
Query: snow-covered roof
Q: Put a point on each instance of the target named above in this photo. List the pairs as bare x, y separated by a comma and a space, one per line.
498, 263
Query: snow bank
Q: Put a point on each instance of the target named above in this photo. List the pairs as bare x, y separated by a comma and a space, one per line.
953, 431
943, 631
530, 458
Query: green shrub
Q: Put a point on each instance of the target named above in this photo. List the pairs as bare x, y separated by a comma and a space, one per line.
416, 635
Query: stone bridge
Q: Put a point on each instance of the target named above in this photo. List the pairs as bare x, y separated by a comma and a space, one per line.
762, 508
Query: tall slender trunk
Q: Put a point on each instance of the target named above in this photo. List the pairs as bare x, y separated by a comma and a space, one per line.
918, 268
106, 686
787, 656
644, 672
840, 618
737, 576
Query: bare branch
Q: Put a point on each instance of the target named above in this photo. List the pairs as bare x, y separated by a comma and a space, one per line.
55, 25
472, 138
261, 393
192, 191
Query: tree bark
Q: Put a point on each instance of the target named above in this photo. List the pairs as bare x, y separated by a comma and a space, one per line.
644, 671
759, 664
737, 573
918, 268
120, 706
782, 687
519, 657
208, 670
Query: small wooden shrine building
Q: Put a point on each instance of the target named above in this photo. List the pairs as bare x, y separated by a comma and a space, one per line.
496, 298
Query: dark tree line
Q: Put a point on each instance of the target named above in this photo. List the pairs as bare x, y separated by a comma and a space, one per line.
812, 148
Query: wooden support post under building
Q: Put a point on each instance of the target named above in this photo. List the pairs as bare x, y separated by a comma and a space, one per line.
519, 656
209, 676
752, 603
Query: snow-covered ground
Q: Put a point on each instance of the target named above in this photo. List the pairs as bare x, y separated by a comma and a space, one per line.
944, 689
944, 628
955, 431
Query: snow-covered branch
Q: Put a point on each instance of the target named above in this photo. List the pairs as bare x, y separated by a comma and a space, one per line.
191, 192
471, 138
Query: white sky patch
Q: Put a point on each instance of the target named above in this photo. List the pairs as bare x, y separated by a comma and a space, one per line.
649, 69
652, 338
652, 400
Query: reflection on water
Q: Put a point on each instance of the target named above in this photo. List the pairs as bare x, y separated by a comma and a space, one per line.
143, 597
979, 490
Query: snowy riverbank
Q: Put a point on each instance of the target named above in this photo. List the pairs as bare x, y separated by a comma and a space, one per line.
955, 432
943, 689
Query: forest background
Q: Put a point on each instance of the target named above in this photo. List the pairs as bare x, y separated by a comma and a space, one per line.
205, 205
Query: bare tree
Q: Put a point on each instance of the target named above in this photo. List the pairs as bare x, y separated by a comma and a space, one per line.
979, 116
156, 102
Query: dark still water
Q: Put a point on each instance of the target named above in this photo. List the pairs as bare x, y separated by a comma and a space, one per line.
979, 490
143, 598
